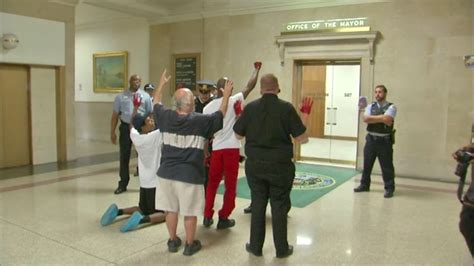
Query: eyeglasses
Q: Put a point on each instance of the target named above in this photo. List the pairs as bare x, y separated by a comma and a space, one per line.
204, 91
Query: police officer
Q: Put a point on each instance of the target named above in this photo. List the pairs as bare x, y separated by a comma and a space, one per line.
379, 116
204, 95
123, 109
149, 88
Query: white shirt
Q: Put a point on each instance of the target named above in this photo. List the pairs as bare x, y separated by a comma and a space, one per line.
225, 138
148, 147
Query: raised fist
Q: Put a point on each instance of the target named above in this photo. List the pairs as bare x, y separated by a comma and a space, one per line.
306, 105
238, 107
257, 65
137, 100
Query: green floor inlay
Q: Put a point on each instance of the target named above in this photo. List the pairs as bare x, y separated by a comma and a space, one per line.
311, 183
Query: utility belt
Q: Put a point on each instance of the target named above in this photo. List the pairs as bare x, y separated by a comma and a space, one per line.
389, 137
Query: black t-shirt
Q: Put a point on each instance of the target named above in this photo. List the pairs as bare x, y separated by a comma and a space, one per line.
199, 106
268, 124
182, 153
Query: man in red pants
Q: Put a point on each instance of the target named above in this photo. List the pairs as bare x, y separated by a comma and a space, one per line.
225, 154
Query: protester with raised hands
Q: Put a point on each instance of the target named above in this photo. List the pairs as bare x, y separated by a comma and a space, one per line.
225, 156
147, 142
180, 190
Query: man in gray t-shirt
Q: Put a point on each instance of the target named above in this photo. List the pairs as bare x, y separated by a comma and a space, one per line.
123, 109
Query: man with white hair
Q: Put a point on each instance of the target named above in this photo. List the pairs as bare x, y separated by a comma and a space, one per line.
181, 172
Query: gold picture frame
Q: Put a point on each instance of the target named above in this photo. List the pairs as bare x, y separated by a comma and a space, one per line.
185, 71
110, 71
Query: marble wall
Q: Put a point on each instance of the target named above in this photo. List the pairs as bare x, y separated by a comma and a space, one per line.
418, 56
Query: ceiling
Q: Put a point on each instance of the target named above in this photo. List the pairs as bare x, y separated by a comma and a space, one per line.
165, 11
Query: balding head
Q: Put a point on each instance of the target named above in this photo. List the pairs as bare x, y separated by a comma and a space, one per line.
184, 101
269, 84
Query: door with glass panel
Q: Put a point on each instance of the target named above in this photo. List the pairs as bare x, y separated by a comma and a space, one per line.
332, 128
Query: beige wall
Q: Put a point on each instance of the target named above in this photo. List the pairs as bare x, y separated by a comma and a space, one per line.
93, 121
418, 57
119, 34
43, 115
472, 70
46, 10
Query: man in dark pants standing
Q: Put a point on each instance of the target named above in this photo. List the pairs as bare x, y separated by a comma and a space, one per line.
268, 124
466, 223
379, 116
123, 109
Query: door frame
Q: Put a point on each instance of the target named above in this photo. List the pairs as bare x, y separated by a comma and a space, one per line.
296, 99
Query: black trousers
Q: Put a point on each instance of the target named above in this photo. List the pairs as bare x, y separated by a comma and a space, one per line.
270, 181
125, 144
381, 148
466, 226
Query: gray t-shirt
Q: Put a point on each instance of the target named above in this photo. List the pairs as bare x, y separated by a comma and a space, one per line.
182, 154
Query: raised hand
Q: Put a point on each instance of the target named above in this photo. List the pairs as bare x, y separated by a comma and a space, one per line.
164, 79
362, 102
306, 105
137, 100
257, 65
229, 85
238, 107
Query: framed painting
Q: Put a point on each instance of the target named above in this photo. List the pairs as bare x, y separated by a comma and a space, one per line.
186, 70
110, 71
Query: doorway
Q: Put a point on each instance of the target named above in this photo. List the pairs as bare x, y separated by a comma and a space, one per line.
15, 136
333, 124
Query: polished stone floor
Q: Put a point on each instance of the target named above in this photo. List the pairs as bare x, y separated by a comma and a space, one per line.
51, 216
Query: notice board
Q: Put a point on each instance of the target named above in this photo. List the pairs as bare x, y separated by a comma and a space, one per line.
186, 71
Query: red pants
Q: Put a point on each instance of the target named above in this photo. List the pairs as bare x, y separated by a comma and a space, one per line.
224, 164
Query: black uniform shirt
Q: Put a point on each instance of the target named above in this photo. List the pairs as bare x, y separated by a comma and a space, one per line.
267, 124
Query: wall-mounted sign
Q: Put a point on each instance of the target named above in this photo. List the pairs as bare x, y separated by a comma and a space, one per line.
337, 25
185, 71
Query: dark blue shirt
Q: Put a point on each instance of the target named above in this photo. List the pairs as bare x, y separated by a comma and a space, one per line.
182, 153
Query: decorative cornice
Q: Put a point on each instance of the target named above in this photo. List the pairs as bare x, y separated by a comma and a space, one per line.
304, 39
191, 11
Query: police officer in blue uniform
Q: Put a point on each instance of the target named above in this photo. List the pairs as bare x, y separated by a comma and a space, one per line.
380, 117
123, 109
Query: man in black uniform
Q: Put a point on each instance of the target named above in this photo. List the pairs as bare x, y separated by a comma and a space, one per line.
379, 116
203, 96
268, 124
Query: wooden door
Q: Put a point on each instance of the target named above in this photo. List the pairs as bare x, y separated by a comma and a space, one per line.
15, 142
314, 85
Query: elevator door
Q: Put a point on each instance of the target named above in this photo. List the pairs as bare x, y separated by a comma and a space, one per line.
15, 145
333, 123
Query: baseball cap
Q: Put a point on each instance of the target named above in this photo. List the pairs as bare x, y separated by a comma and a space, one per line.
138, 122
